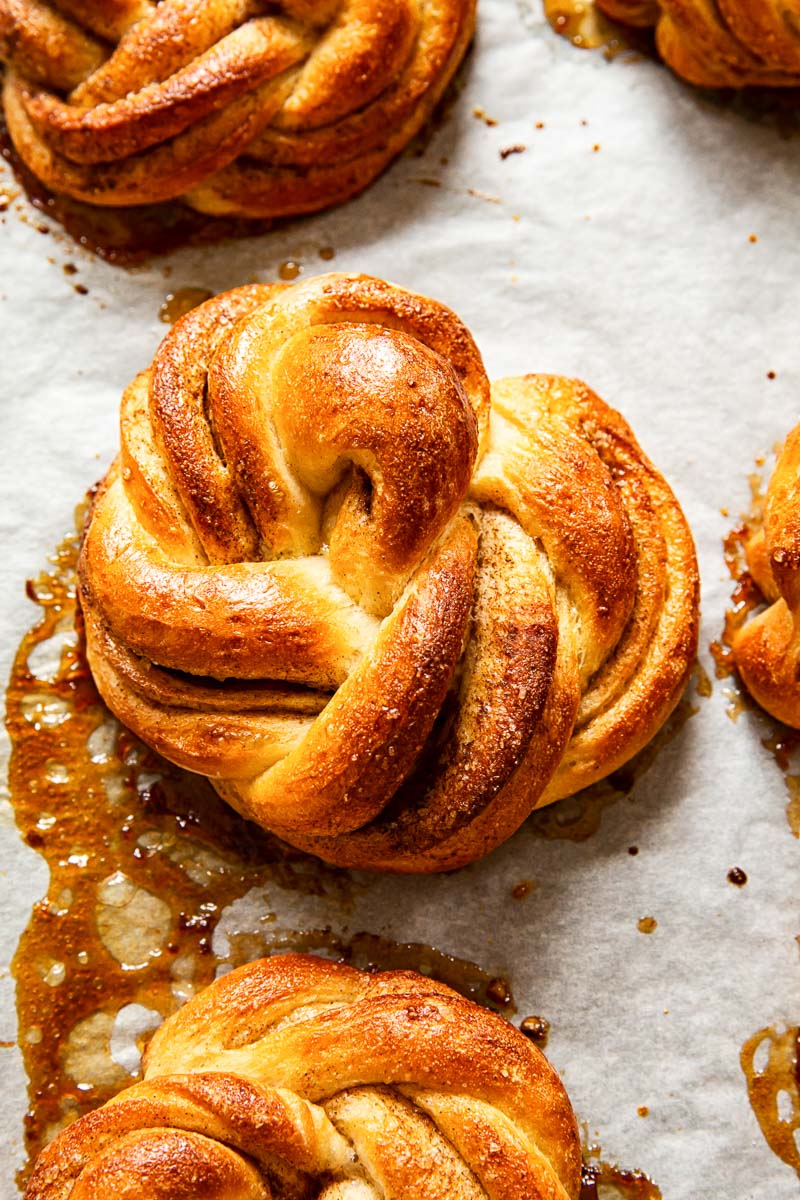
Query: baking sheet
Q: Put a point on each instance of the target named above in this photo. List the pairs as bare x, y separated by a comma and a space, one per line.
645, 240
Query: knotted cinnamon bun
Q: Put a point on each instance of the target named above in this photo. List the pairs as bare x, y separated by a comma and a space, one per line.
294, 1078
729, 44
766, 649
237, 106
387, 611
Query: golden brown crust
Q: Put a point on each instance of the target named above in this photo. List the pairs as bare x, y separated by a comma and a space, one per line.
722, 43
766, 649
295, 1077
238, 106
387, 617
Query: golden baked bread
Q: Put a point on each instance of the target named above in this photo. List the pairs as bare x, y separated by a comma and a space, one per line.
386, 614
766, 649
724, 44
297, 1078
238, 106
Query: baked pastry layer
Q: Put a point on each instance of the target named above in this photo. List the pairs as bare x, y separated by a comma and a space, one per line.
240, 107
388, 610
766, 648
721, 43
298, 1078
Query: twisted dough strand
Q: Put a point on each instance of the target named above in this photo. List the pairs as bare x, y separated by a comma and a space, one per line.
386, 616
238, 106
294, 1077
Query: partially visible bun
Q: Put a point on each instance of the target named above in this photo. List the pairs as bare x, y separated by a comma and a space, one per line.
238, 107
721, 43
294, 1077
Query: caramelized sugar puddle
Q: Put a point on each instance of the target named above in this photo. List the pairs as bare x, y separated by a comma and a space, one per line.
585, 25
603, 1181
771, 1063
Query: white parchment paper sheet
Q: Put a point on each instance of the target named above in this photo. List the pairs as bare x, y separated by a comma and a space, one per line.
630, 265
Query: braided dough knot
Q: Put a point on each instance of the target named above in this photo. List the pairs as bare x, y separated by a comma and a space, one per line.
766, 649
386, 616
241, 106
296, 1078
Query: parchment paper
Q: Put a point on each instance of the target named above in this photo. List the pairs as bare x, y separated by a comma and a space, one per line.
616, 247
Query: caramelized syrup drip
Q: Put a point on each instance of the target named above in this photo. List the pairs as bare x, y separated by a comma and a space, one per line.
8, 195
771, 1063
178, 303
602, 1181
585, 25
289, 270
371, 952
536, 1029
793, 807
143, 859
